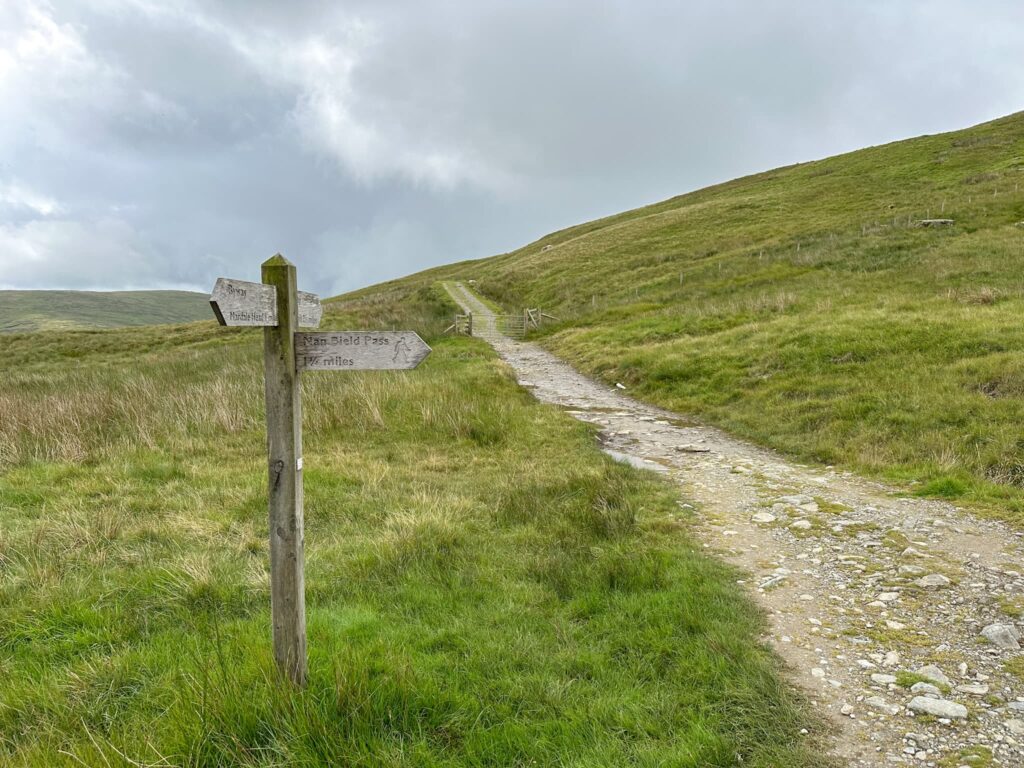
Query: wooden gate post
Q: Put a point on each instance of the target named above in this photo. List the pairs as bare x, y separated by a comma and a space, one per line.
284, 454
470, 323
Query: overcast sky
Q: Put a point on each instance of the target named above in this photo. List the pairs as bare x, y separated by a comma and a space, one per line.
163, 143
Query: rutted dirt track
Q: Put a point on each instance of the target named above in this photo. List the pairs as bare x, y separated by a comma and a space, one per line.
867, 592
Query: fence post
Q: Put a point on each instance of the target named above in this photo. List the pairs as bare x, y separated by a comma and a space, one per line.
284, 458
469, 323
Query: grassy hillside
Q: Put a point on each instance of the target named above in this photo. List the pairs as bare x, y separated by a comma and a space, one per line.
807, 309
484, 587
22, 311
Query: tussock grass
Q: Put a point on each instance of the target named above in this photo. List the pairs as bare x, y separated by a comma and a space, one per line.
484, 586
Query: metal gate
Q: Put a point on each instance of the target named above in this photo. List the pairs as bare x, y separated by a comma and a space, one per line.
513, 326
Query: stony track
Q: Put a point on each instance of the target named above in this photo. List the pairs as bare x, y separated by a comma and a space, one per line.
898, 616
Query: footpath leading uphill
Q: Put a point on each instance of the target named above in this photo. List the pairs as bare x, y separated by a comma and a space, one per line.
899, 616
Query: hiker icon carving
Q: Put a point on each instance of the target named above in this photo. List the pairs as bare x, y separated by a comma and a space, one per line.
401, 355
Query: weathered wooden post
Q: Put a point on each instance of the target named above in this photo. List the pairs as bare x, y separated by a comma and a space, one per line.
469, 323
284, 457
277, 306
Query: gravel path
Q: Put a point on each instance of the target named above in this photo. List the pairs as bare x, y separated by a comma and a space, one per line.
898, 616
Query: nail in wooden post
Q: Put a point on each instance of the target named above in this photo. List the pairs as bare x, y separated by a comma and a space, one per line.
284, 452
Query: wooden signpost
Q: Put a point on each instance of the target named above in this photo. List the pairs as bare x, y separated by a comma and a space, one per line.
278, 306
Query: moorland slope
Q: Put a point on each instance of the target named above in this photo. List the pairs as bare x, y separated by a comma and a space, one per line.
813, 309
24, 311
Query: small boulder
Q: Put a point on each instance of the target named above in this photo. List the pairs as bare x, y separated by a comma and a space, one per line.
763, 517
925, 689
1004, 636
932, 581
934, 674
878, 704
973, 689
923, 705
795, 501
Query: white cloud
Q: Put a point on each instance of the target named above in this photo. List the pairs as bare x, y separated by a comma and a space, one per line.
60, 252
20, 198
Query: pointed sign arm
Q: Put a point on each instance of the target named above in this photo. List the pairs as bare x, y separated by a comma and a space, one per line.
237, 302
359, 351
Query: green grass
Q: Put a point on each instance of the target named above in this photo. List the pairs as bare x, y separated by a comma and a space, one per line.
799, 309
484, 587
24, 311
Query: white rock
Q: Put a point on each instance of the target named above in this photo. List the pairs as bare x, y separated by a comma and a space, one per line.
846, 709
888, 597
937, 708
924, 689
879, 704
1015, 726
795, 501
801, 525
1002, 635
979, 689
763, 517
910, 570
891, 659
894, 624
818, 672
933, 673
883, 679
933, 581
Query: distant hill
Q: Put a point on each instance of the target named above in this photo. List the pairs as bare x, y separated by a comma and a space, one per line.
22, 311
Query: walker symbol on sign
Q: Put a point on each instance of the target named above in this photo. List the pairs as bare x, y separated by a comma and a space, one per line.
401, 348
276, 305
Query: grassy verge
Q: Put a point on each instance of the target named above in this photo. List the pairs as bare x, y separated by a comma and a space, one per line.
484, 587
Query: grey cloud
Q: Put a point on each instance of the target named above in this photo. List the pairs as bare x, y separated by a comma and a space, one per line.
170, 141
